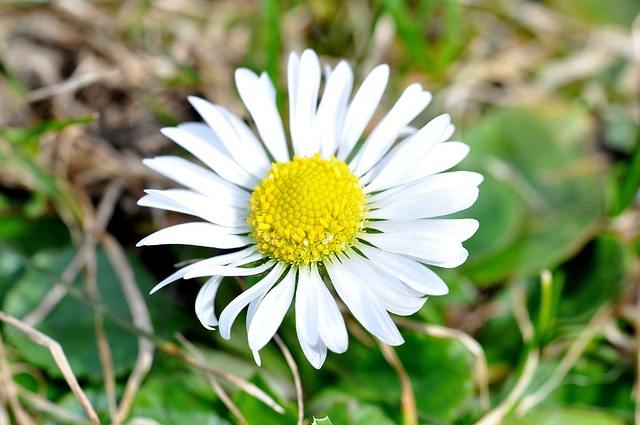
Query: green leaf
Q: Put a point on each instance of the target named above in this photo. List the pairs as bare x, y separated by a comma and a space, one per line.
322, 421
567, 415
345, 409
440, 372
547, 160
178, 397
256, 412
71, 322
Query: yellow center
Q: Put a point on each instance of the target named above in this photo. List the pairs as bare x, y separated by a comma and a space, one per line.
306, 209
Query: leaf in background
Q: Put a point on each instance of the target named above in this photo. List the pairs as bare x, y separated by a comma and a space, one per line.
178, 397
256, 412
440, 372
620, 12
547, 158
71, 322
567, 415
593, 278
344, 409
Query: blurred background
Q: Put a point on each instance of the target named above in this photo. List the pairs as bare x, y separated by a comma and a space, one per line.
541, 324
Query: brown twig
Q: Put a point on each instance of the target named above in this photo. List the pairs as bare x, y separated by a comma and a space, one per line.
220, 392
59, 357
296, 376
8, 390
409, 410
481, 368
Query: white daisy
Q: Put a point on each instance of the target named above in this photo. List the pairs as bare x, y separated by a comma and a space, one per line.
323, 212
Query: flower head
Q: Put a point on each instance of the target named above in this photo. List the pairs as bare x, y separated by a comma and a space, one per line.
323, 212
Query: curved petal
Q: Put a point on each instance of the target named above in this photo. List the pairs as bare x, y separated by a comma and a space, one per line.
194, 203
199, 179
197, 234
303, 105
442, 157
408, 152
412, 273
395, 296
205, 309
366, 309
249, 157
271, 311
306, 310
331, 327
231, 270
449, 180
215, 159
331, 114
260, 101
432, 204
362, 108
412, 101
231, 311
458, 230
430, 251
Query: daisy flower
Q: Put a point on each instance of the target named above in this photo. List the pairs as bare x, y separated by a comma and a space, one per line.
319, 210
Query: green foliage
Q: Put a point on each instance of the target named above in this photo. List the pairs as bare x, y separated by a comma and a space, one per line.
550, 205
552, 126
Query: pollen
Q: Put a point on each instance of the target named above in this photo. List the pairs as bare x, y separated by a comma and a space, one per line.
306, 209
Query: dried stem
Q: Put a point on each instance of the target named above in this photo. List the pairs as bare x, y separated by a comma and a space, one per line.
8, 390
59, 357
481, 368
409, 410
595, 325
296, 376
220, 392
141, 319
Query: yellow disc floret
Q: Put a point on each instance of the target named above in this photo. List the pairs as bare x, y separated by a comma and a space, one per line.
306, 209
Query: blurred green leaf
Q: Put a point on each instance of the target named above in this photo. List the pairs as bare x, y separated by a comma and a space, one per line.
440, 374
620, 12
178, 397
593, 278
71, 323
347, 410
547, 159
567, 415
256, 412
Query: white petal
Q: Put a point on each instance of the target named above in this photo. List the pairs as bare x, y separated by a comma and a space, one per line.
199, 179
306, 310
412, 101
331, 327
260, 101
331, 114
432, 204
205, 309
366, 308
218, 119
306, 102
256, 161
231, 311
197, 234
408, 152
271, 311
395, 296
316, 354
442, 157
412, 273
457, 230
220, 259
449, 180
414, 245
194, 203
362, 108
216, 270
217, 160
